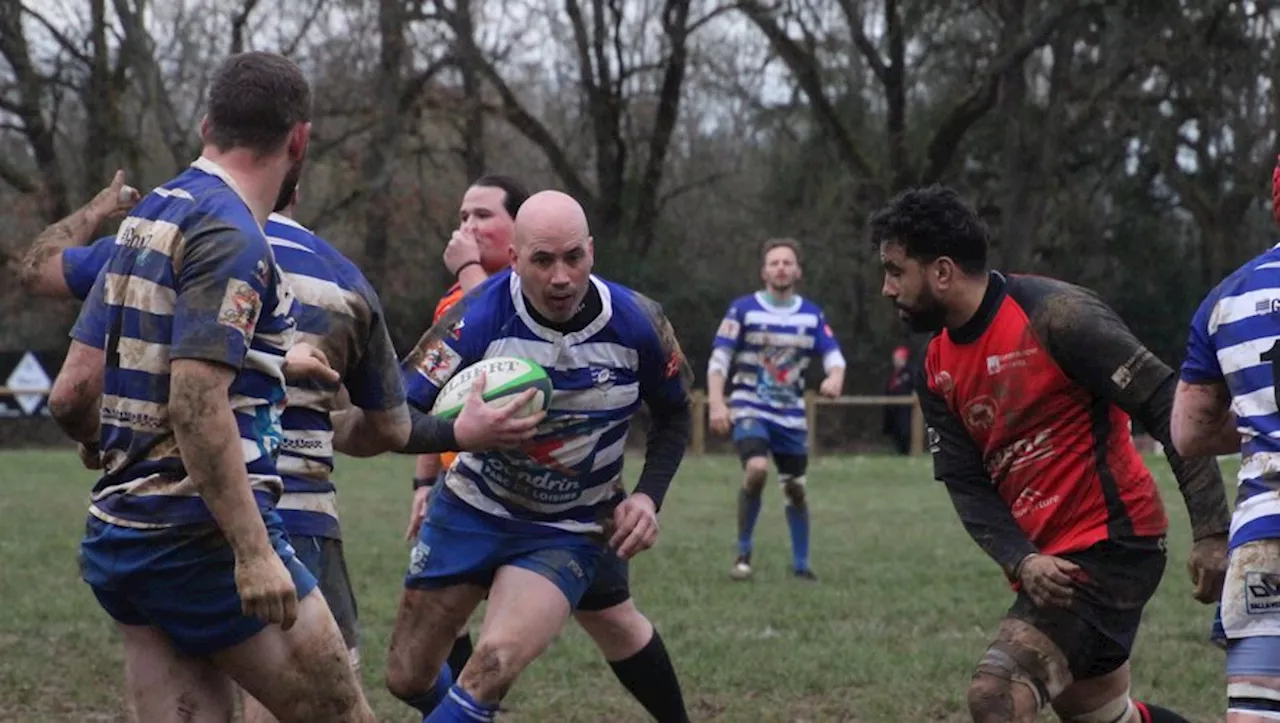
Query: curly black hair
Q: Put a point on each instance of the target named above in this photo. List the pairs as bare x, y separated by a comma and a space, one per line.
932, 222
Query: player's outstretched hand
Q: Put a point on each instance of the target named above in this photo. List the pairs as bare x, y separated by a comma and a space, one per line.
635, 525
719, 418
830, 387
417, 513
116, 199
1207, 565
266, 589
462, 248
482, 425
1049, 580
304, 361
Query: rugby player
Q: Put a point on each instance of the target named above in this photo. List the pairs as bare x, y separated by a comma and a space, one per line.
182, 344
767, 340
529, 528
1226, 403
628, 640
1028, 386
338, 312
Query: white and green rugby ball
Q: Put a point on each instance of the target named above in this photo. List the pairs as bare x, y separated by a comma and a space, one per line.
505, 377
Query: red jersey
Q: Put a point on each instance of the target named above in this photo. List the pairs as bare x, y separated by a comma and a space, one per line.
450, 298
1028, 399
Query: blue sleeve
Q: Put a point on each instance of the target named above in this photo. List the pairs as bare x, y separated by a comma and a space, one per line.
91, 325
226, 274
665, 376
374, 382
729, 330
826, 339
81, 264
454, 342
1201, 363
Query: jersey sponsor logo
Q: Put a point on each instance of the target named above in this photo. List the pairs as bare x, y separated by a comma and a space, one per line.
553, 486
439, 362
934, 440
997, 363
1032, 500
455, 331
729, 328
1261, 593
670, 344
1020, 453
980, 414
1267, 306
240, 306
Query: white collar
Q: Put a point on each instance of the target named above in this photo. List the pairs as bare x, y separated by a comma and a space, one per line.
551, 335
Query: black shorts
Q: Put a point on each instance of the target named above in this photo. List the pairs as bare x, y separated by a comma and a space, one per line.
611, 585
1096, 632
323, 557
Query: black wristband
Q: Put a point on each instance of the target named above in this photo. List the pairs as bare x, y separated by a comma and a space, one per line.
472, 262
420, 482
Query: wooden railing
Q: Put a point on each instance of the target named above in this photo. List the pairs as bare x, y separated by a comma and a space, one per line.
812, 401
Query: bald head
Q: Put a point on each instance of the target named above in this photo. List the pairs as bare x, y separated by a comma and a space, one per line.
553, 253
551, 216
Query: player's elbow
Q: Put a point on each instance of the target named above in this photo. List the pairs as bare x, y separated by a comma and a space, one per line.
67, 401
34, 282
390, 431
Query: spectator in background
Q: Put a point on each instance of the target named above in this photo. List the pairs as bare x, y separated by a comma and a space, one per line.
897, 417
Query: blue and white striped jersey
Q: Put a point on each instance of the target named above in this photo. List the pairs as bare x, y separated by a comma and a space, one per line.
336, 311
191, 276
767, 348
570, 474
1235, 339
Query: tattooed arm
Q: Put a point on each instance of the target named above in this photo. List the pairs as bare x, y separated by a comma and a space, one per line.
41, 271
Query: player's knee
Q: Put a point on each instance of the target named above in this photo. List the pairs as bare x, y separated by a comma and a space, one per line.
756, 473
619, 631
408, 680
492, 669
793, 488
1008, 681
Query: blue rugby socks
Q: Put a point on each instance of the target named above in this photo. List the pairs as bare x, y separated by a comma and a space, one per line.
460, 707
798, 523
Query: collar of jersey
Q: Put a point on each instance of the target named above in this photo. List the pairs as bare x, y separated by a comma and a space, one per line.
606, 313
213, 169
974, 328
763, 299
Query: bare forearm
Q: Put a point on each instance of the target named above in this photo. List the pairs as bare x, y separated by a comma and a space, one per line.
427, 466
74, 230
209, 441
79, 422
715, 388
471, 277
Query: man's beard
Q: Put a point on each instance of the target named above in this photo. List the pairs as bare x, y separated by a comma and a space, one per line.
929, 317
288, 187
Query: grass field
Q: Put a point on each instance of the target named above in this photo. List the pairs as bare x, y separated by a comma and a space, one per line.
905, 605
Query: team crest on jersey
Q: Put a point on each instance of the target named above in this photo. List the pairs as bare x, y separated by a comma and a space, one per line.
240, 306
729, 329
439, 362
670, 344
980, 414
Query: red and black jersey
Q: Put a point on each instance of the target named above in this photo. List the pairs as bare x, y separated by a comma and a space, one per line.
1027, 407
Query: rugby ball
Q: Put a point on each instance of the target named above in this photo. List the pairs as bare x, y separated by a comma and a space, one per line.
504, 377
